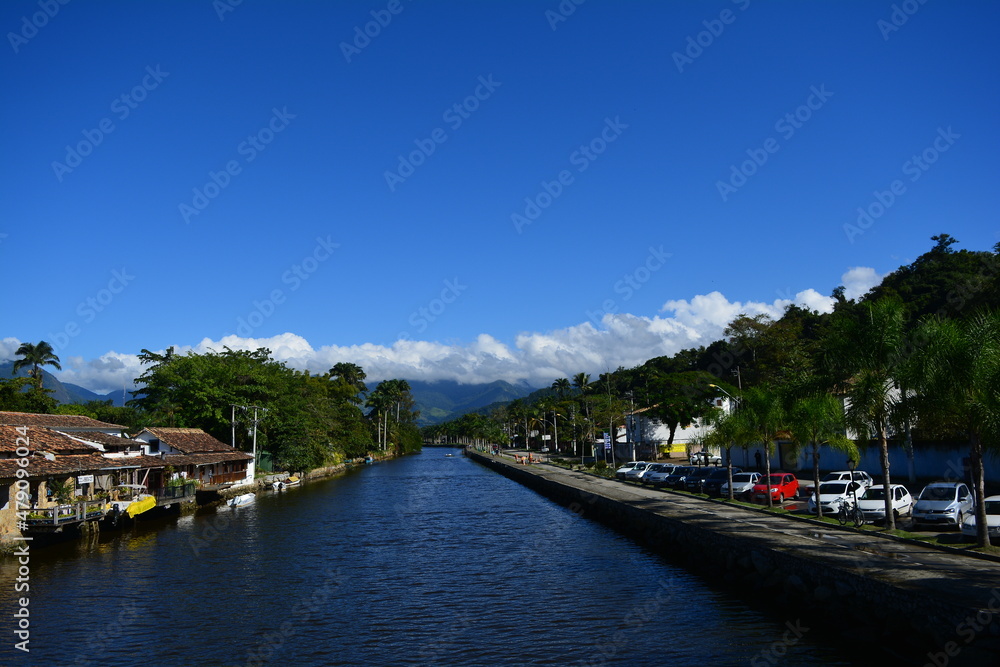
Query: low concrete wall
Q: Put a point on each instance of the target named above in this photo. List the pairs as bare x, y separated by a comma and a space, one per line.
910, 623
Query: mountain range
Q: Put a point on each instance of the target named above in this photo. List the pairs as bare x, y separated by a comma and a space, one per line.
66, 392
437, 401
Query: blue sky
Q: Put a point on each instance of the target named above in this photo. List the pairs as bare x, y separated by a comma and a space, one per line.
480, 190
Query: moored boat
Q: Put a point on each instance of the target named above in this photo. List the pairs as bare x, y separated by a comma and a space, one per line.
240, 500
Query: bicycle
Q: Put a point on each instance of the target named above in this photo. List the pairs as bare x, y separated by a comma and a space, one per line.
850, 512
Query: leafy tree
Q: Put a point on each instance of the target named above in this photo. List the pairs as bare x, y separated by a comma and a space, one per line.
561, 386
763, 419
869, 349
729, 430
36, 356
21, 394
960, 369
819, 420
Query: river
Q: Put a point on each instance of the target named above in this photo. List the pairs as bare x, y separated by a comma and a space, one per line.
426, 559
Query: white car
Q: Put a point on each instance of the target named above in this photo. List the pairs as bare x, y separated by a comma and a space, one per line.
943, 502
872, 504
705, 458
833, 494
844, 475
620, 473
742, 484
992, 520
637, 472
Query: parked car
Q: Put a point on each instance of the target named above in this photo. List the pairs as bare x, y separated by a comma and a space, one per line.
637, 471
676, 478
992, 520
653, 469
872, 504
743, 484
833, 494
781, 485
705, 458
719, 476
695, 480
656, 477
620, 473
843, 475
943, 502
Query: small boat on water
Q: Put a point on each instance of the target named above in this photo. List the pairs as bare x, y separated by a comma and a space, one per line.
369, 460
239, 501
282, 484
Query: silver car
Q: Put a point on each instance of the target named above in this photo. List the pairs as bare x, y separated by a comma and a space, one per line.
943, 503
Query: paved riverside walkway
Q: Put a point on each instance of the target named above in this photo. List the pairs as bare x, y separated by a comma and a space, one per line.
958, 579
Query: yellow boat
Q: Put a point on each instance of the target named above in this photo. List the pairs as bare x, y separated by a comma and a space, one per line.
140, 506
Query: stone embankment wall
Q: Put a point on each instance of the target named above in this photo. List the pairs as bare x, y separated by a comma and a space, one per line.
911, 624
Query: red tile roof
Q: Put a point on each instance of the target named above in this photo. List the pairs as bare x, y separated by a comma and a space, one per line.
42, 440
41, 467
62, 422
189, 440
110, 442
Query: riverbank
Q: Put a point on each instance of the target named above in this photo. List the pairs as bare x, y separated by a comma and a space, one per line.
925, 606
202, 498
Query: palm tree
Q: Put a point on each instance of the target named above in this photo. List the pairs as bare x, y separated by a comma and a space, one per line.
36, 356
869, 348
763, 420
561, 386
728, 430
819, 420
581, 381
960, 371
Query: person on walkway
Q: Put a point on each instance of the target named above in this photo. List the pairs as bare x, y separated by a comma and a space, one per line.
756, 456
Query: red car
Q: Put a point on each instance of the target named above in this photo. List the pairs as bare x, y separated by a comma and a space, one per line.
782, 485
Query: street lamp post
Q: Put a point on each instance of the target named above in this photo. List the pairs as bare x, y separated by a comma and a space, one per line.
735, 401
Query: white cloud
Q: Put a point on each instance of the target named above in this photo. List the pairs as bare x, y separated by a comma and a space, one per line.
538, 357
858, 280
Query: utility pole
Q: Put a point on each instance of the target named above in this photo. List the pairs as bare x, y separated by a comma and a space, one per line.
258, 415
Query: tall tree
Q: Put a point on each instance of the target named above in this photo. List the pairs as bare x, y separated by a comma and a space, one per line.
763, 418
36, 355
960, 368
816, 421
562, 387
868, 346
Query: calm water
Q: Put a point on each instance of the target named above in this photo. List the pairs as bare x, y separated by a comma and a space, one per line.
428, 559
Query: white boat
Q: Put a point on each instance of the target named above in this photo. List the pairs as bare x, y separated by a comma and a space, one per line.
282, 484
239, 501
